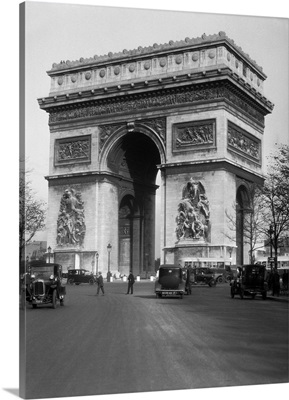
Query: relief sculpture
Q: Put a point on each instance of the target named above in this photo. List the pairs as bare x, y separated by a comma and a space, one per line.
193, 212
187, 136
74, 150
70, 223
240, 140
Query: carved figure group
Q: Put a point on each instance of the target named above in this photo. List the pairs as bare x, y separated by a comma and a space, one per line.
70, 223
193, 212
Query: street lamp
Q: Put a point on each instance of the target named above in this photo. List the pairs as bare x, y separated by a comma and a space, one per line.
27, 264
96, 255
49, 252
109, 246
271, 231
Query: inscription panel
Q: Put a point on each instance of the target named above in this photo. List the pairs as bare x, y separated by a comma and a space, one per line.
194, 135
72, 150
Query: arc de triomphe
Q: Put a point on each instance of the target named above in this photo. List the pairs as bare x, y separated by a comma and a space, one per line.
193, 110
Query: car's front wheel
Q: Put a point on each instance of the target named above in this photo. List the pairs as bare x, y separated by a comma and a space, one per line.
70, 281
91, 281
212, 282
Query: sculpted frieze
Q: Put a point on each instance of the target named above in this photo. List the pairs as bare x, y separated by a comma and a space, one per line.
154, 100
196, 134
242, 142
72, 150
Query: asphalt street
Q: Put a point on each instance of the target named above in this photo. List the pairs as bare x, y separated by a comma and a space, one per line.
120, 343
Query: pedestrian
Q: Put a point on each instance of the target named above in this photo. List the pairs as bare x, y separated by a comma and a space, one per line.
188, 281
99, 281
108, 276
130, 283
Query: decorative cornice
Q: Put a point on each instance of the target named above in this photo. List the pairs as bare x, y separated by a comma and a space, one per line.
159, 99
151, 50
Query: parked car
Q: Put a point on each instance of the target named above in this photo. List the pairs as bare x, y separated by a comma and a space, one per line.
79, 276
203, 276
170, 281
42, 285
223, 274
250, 281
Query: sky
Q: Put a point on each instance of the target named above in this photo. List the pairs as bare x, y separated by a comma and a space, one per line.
56, 32
68, 32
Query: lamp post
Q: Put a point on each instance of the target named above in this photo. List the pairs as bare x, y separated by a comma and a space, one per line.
109, 246
27, 263
271, 231
49, 252
96, 255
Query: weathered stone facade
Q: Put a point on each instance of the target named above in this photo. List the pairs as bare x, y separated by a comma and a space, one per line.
194, 110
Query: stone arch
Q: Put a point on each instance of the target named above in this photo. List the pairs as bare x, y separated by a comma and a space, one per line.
243, 206
119, 132
131, 155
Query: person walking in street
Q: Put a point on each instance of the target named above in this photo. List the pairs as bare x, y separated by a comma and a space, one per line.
99, 281
130, 283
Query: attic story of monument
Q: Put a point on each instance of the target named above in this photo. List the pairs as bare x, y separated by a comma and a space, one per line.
194, 110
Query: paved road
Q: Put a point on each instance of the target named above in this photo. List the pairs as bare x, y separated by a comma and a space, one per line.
133, 343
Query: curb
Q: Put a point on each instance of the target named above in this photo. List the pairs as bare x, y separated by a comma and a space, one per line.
278, 298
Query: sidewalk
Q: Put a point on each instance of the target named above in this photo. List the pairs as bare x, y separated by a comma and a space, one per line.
283, 297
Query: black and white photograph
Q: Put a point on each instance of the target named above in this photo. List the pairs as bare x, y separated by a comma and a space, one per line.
150, 171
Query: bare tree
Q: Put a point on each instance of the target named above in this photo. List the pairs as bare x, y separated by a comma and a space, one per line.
31, 212
268, 216
275, 198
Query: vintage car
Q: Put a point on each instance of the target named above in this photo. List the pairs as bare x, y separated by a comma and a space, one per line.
42, 285
223, 274
250, 280
202, 276
170, 281
79, 276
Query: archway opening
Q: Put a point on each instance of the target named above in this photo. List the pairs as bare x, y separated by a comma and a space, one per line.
242, 207
134, 158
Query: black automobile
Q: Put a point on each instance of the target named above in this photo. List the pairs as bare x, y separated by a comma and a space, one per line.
79, 276
223, 274
42, 285
202, 276
250, 281
170, 281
